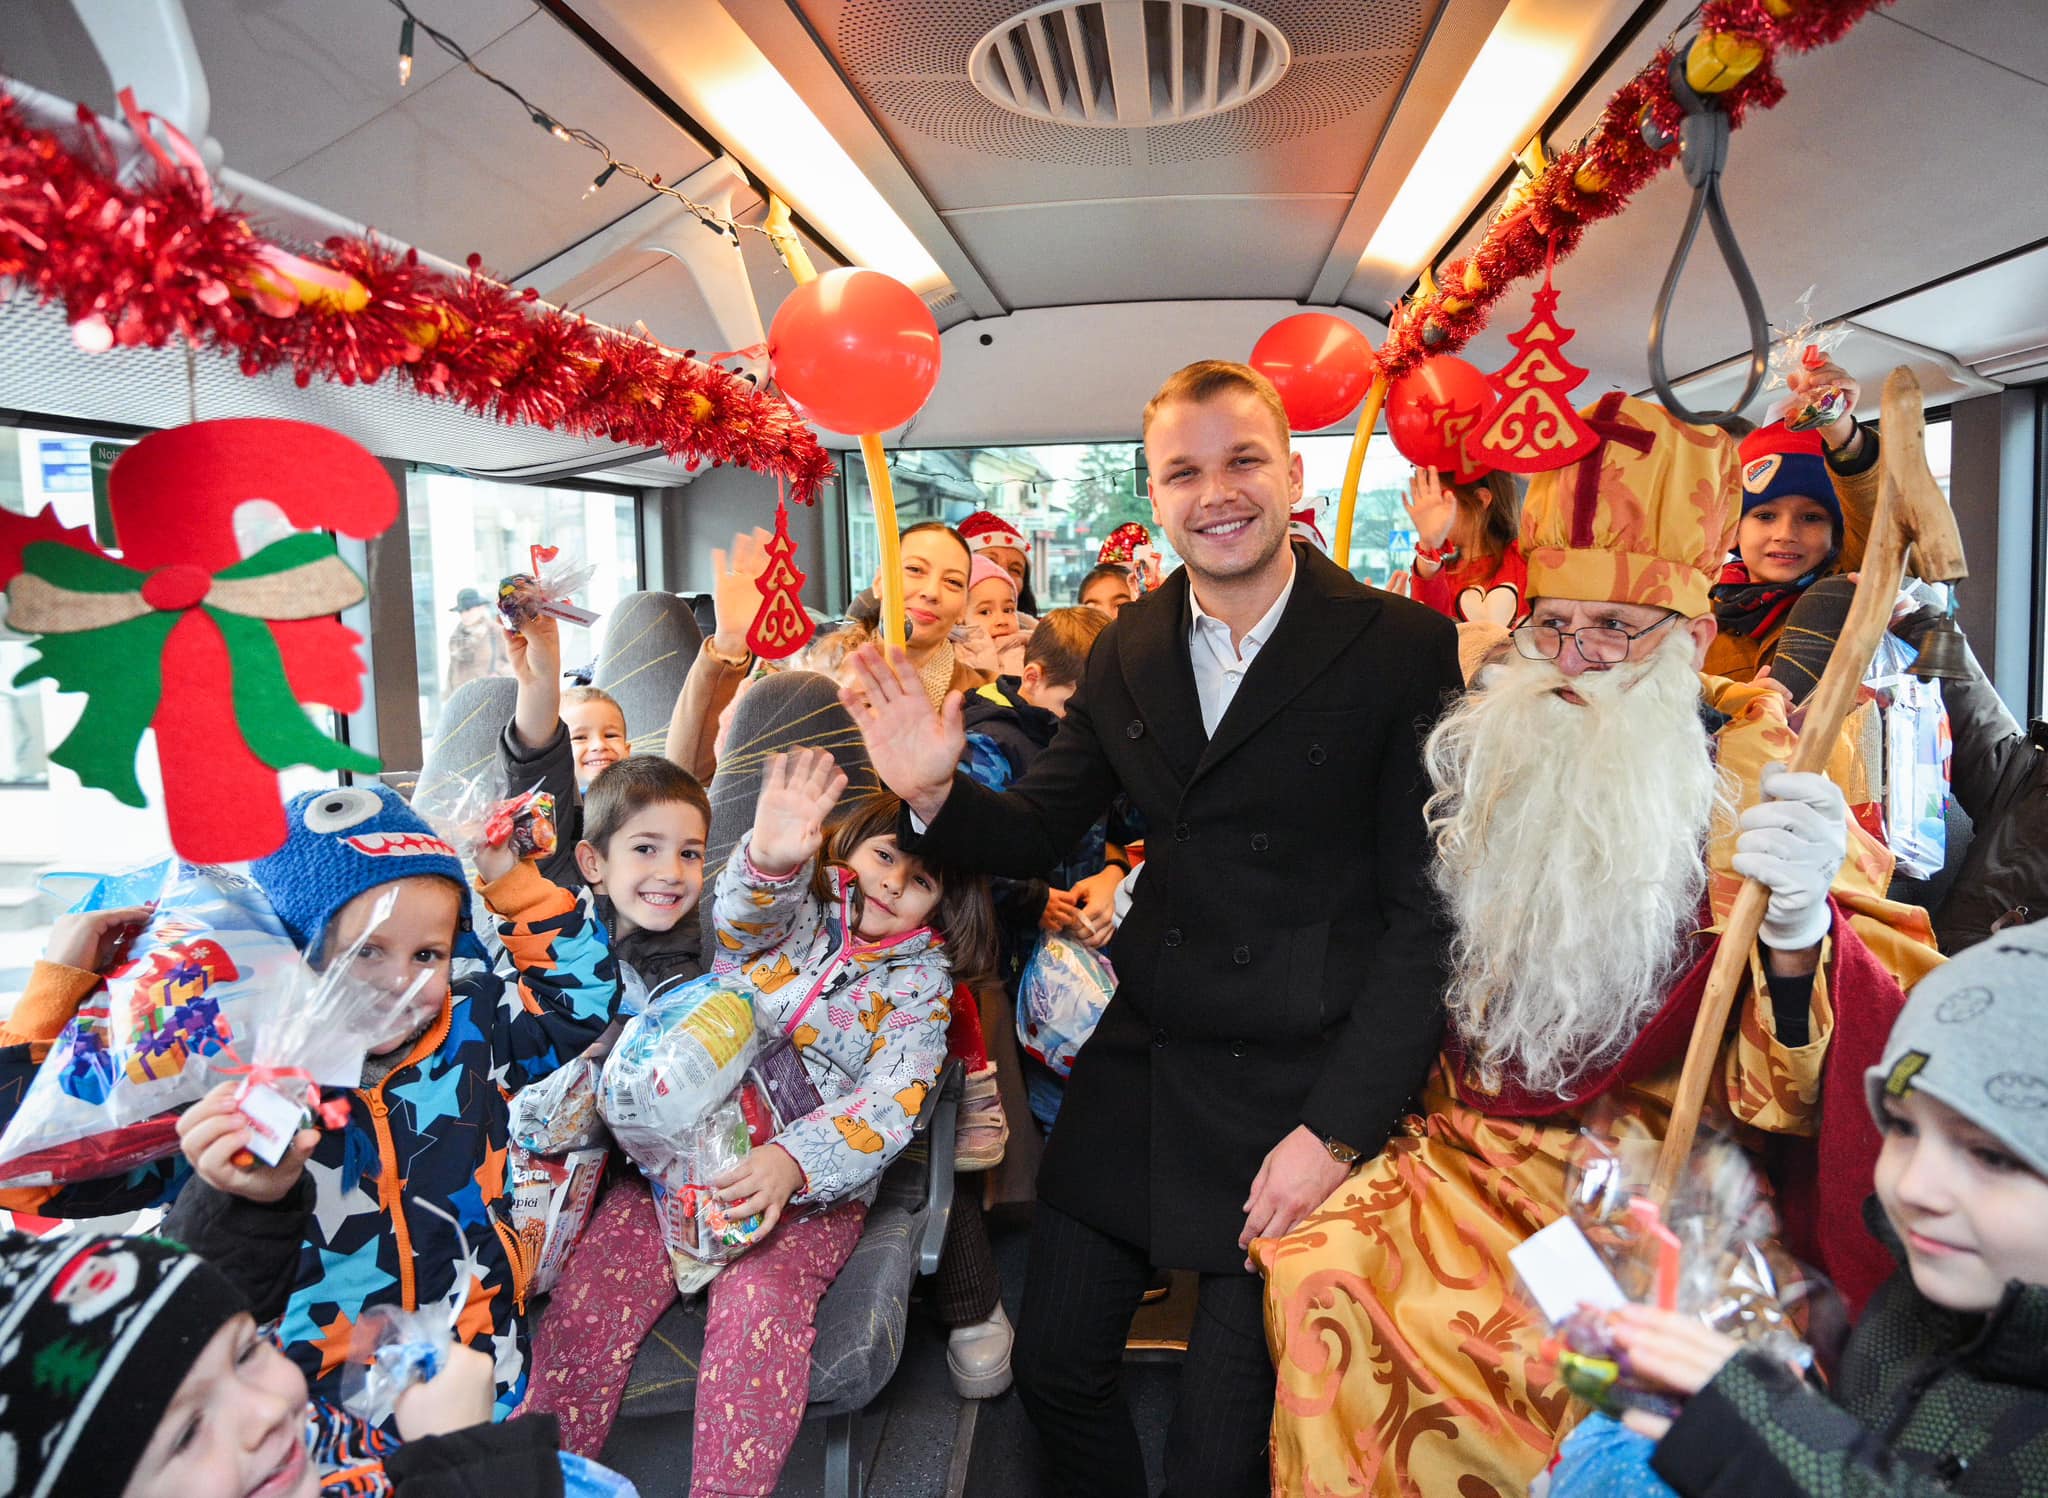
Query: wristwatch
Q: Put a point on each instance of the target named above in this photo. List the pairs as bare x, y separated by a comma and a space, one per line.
1341, 1152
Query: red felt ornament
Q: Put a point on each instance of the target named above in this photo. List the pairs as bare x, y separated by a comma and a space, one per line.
217, 652
782, 626
1431, 411
1534, 427
1321, 365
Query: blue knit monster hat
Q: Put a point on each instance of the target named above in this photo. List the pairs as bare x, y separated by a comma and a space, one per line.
343, 841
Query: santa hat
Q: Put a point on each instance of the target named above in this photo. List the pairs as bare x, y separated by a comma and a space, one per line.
1302, 523
986, 571
1778, 463
103, 1330
1121, 549
1646, 517
985, 528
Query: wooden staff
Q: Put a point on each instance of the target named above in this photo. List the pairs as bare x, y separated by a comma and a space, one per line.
1911, 512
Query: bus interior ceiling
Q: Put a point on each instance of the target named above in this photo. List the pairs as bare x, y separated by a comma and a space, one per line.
1070, 262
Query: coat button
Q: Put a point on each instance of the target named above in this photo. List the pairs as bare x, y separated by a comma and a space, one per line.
1182, 832
1260, 842
1134, 729
1242, 956
1173, 936
1159, 1037
1316, 755
1237, 1048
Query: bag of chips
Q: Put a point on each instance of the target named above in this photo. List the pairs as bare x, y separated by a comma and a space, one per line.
212, 965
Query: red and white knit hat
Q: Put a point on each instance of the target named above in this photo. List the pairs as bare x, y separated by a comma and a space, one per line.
984, 529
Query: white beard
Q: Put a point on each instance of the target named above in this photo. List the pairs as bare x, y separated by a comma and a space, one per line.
1570, 850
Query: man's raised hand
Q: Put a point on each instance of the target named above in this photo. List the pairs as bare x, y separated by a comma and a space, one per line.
913, 749
734, 597
798, 791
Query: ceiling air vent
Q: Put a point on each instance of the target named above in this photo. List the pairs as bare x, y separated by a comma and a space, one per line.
1128, 63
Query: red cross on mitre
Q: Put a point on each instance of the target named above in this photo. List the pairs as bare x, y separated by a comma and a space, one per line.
1610, 426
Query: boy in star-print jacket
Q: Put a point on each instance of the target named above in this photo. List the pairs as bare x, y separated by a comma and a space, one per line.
410, 1197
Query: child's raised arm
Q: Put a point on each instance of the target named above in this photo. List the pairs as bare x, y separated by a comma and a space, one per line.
567, 977
764, 891
536, 652
798, 791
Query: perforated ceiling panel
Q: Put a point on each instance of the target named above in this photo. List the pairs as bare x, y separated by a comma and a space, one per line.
43, 373
909, 60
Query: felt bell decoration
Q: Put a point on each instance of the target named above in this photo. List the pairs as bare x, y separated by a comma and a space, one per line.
1944, 652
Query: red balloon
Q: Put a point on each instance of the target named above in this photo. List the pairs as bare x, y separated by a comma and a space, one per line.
1321, 365
856, 349
1433, 408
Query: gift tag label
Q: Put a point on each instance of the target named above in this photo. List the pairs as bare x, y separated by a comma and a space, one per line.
1563, 1272
273, 1120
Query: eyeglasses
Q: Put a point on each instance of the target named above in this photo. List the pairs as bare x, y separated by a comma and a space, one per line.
1599, 645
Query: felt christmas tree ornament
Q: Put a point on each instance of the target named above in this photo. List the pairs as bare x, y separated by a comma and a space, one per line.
218, 652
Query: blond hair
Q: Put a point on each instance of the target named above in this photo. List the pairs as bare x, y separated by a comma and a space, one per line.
1206, 379
577, 696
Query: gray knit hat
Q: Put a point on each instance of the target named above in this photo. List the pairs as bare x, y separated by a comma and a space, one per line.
1972, 1035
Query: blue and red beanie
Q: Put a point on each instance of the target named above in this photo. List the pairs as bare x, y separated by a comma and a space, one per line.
1782, 464
343, 841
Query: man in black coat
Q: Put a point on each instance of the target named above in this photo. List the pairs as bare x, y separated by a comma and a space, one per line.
1282, 963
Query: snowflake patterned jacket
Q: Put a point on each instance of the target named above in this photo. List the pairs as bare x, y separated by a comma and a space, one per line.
869, 1019
430, 1138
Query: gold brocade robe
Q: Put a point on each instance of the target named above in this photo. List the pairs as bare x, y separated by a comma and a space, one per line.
1406, 1357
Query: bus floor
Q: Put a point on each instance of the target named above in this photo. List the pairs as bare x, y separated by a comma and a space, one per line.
920, 1440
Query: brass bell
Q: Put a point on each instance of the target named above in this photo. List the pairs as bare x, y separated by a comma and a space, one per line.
1944, 652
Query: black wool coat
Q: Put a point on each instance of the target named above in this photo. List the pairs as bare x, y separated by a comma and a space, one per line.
1282, 963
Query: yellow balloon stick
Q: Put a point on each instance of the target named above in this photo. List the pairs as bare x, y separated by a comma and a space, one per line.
1354, 469
884, 494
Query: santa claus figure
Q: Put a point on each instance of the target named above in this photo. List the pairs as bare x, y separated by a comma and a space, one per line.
1597, 804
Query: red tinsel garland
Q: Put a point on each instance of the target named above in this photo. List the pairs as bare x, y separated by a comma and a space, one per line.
141, 266
1596, 179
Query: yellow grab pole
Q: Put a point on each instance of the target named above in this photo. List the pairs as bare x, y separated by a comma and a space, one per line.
1347, 502
884, 495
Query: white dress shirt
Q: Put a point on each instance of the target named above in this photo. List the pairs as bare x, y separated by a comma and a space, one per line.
1219, 666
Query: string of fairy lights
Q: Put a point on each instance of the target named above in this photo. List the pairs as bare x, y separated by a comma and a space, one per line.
412, 27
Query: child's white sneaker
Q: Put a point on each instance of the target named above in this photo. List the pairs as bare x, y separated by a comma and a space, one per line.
978, 1357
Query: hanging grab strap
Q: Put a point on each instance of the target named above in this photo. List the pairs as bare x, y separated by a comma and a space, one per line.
1703, 148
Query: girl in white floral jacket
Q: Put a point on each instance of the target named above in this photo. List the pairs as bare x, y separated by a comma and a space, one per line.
854, 960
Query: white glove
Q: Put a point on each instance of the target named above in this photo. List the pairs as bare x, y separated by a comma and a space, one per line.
1793, 842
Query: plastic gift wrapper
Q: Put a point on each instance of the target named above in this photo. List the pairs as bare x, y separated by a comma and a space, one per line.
1917, 753
1065, 986
478, 811
1710, 1254
552, 1198
1806, 345
319, 1038
668, 1095
548, 590
210, 966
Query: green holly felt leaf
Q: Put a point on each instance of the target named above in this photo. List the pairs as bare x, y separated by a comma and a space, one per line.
120, 671
273, 722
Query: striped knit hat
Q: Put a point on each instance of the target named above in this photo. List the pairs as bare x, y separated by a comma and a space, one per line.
96, 1334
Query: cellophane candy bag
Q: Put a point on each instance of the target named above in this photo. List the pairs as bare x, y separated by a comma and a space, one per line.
549, 590
556, 1161
318, 1038
477, 811
1712, 1253
1805, 345
210, 967
669, 1097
